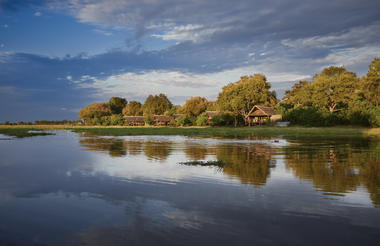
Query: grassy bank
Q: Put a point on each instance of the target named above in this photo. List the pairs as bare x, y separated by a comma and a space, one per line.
262, 131
22, 132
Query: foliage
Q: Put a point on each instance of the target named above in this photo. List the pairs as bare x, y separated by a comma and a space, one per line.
172, 123
95, 110
333, 88
223, 119
133, 108
241, 96
212, 106
194, 106
117, 120
202, 120
105, 120
117, 104
371, 83
149, 120
156, 105
184, 121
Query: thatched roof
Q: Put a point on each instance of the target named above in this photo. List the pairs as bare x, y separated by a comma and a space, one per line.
161, 118
134, 118
258, 110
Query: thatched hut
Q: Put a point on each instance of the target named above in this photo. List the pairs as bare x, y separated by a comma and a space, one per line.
134, 120
260, 114
161, 120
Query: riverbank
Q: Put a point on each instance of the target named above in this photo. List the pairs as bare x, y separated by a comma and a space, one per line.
257, 131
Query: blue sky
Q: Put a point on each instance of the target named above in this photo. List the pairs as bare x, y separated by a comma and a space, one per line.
58, 56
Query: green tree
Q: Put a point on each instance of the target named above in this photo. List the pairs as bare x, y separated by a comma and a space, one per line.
299, 94
133, 108
156, 105
117, 104
194, 106
333, 88
241, 96
96, 110
371, 83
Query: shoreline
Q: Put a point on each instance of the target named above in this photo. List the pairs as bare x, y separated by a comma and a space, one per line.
232, 132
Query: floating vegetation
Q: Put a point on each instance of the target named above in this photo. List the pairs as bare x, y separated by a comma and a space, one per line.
217, 163
23, 132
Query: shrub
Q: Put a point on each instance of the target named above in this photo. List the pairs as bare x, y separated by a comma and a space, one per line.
184, 121
117, 120
202, 120
149, 120
223, 119
172, 123
105, 120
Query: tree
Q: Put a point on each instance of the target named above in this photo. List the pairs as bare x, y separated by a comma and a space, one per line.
117, 104
333, 88
241, 96
371, 83
194, 106
96, 110
157, 104
133, 108
299, 94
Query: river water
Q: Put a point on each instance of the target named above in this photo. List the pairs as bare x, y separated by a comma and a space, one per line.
77, 189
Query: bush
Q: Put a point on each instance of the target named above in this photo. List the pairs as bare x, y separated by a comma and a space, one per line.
149, 120
202, 120
223, 120
117, 120
172, 123
96, 121
374, 116
106, 120
184, 121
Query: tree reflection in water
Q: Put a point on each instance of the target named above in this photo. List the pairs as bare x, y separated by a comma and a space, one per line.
334, 168
338, 169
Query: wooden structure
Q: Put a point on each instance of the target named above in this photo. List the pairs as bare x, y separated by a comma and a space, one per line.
260, 114
161, 120
134, 120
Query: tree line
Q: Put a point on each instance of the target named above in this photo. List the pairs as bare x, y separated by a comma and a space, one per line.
336, 96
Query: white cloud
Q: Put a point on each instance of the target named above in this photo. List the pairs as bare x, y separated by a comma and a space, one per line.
354, 36
5, 26
102, 32
37, 14
189, 32
175, 83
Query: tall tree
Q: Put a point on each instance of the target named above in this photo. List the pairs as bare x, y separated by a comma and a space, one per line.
95, 110
371, 82
333, 88
133, 108
241, 96
157, 104
299, 94
194, 106
117, 104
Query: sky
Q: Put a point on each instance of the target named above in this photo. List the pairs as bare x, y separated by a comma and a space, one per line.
59, 56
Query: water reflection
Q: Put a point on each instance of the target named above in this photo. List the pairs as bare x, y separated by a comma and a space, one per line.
334, 168
71, 189
338, 169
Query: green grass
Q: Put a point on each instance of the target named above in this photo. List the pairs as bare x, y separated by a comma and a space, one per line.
290, 132
230, 132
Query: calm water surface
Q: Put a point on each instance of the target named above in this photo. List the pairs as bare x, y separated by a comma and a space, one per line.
77, 189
